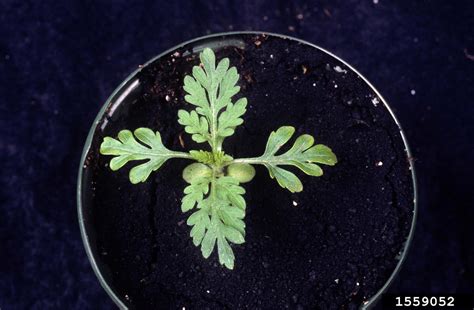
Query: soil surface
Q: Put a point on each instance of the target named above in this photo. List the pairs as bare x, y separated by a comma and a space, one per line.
332, 246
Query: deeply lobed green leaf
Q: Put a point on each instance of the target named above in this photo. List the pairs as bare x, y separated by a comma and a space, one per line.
210, 89
303, 155
197, 126
126, 148
219, 216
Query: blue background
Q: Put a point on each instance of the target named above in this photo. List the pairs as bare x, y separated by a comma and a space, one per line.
59, 61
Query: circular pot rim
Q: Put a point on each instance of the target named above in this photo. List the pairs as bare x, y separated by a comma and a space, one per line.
371, 301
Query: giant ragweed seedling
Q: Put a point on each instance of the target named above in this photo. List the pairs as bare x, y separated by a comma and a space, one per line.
214, 194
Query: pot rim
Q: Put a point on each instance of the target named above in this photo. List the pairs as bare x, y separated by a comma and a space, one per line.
84, 235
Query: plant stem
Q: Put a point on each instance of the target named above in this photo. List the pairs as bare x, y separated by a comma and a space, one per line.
252, 161
212, 102
182, 155
275, 160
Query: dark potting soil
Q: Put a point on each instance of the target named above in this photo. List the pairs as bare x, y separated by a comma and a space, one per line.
332, 246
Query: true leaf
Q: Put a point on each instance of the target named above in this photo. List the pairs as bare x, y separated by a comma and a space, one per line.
126, 148
219, 218
231, 117
303, 155
194, 193
228, 188
210, 89
194, 125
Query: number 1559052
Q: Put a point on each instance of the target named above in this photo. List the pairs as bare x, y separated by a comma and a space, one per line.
424, 301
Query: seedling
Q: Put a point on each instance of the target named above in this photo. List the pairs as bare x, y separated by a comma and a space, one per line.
214, 194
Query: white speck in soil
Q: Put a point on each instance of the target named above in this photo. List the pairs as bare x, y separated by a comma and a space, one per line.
304, 68
126, 297
295, 203
271, 56
376, 1
262, 62
379, 164
291, 28
167, 98
335, 85
300, 16
295, 298
207, 291
231, 27
266, 95
339, 69
357, 283
265, 18
314, 84
337, 281
375, 101
412, 92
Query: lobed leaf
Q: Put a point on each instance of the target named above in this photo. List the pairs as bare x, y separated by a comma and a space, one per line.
219, 218
126, 148
228, 189
194, 193
303, 155
194, 125
210, 89
231, 117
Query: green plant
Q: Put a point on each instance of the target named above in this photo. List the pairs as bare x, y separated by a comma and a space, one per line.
214, 194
